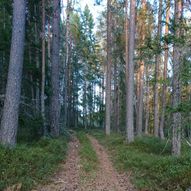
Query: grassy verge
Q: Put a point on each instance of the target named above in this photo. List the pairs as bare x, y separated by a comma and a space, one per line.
30, 165
150, 163
88, 157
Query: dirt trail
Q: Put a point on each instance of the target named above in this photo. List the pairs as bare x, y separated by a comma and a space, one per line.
107, 179
67, 178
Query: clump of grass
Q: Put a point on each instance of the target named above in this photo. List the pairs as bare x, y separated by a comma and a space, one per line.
88, 157
31, 164
150, 162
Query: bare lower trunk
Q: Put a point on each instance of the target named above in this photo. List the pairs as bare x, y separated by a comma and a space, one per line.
140, 82
118, 109
55, 101
130, 76
9, 121
147, 111
140, 103
164, 88
115, 97
137, 91
108, 71
176, 96
43, 68
156, 86
37, 103
31, 78
67, 62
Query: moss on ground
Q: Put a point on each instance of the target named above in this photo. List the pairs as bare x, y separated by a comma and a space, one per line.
31, 164
150, 162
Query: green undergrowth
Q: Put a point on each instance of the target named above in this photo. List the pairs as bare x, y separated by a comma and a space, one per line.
150, 162
88, 157
31, 164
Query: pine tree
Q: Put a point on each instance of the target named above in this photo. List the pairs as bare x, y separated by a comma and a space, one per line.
9, 121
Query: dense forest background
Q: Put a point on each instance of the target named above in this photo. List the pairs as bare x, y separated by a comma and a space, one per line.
131, 75
66, 77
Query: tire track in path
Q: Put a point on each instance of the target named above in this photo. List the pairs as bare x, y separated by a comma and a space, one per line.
107, 178
67, 178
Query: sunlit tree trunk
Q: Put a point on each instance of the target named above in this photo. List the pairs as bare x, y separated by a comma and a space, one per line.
130, 75
9, 121
156, 85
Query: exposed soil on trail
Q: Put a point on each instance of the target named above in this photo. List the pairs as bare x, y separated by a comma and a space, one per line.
69, 176
107, 178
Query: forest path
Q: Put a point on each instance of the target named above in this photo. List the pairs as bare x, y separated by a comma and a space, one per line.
107, 178
70, 176
67, 178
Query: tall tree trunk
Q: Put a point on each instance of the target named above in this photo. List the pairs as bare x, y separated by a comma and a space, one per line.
118, 109
9, 121
115, 96
130, 77
176, 95
108, 71
69, 92
137, 90
43, 68
147, 111
31, 76
67, 62
102, 121
141, 74
49, 45
156, 85
140, 100
164, 88
55, 74
37, 62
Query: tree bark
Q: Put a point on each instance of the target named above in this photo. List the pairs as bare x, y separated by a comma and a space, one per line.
37, 62
140, 100
67, 62
55, 61
176, 95
115, 97
9, 121
147, 110
130, 77
108, 71
43, 68
164, 88
156, 85
141, 73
